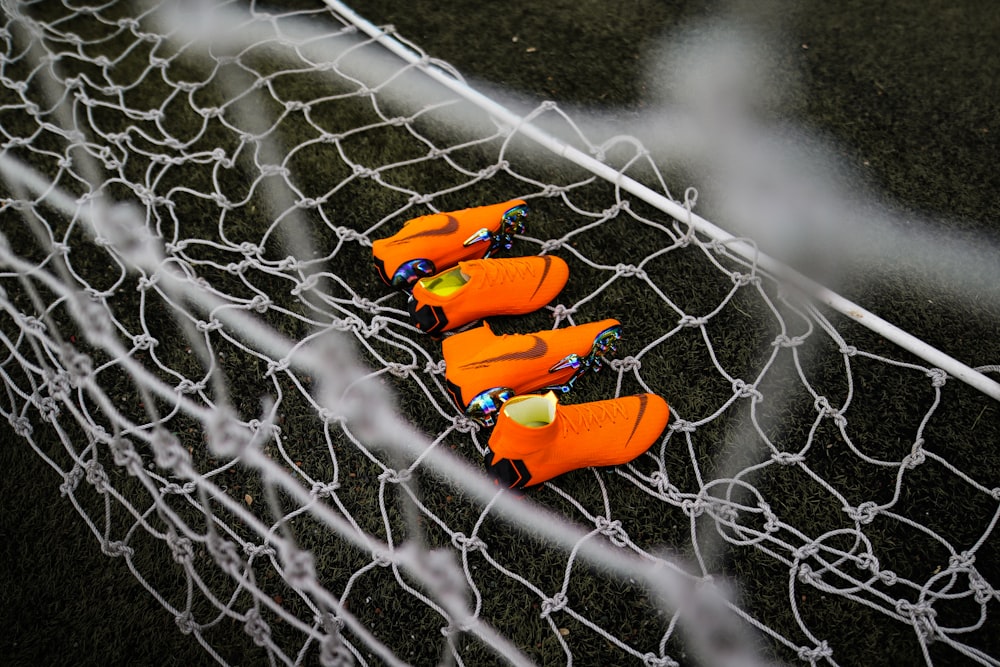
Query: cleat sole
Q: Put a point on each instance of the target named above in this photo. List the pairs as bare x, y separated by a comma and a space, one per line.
485, 405
412, 271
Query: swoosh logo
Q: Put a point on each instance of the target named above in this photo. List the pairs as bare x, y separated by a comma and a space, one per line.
538, 349
545, 272
450, 227
642, 410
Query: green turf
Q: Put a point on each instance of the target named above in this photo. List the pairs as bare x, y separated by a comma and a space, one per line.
907, 95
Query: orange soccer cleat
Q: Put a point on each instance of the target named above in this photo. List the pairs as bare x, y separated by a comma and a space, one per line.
536, 439
483, 370
432, 243
483, 287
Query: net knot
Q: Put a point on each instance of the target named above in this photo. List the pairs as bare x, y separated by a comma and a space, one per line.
629, 271
21, 426
693, 508
185, 623
938, 377
273, 170
782, 340
921, 614
691, 321
553, 604
916, 455
962, 561
381, 558
653, 660
351, 235
744, 279
221, 200
864, 513
560, 312
982, 592
391, 476
306, 285
32, 324
787, 458
239, 268
225, 554
805, 574
683, 426
48, 408
551, 190
205, 327
167, 450
813, 653
662, 483
97, 477
144, 341
743, 390
187, 386
823, 407
257, 628
58, 384
626, 365
867, 561
612, 530
260, 303
806, 551
276, 366
300, 569
551, 245
465, 425
180, 548
888, 577
324, 490
399, 370
453, 629
435, 367
258, 550
463, 543
124, 455
71, 480
725, 512
226, 436
771, 523
116, 548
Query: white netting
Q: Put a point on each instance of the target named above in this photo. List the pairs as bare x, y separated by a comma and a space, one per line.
196, 343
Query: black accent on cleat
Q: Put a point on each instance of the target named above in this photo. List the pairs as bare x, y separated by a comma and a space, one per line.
380, 270
427, 318
511, 473
455, 392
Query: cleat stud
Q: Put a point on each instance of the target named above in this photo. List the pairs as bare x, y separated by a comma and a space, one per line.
478, 237
569, 361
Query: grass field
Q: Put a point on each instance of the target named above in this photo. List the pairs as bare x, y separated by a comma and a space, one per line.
905, 97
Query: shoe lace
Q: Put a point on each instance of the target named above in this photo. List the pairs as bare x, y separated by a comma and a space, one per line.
589, 416
508, 270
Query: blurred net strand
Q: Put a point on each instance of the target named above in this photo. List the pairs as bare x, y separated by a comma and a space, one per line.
230, 527
740, 247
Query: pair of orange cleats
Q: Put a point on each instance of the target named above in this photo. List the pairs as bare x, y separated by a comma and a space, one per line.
511, 382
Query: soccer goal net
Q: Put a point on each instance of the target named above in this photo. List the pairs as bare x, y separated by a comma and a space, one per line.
195, 341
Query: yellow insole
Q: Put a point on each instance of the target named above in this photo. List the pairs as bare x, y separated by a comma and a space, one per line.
532, 411
446, 283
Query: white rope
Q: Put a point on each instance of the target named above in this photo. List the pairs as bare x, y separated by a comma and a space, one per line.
203, 373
